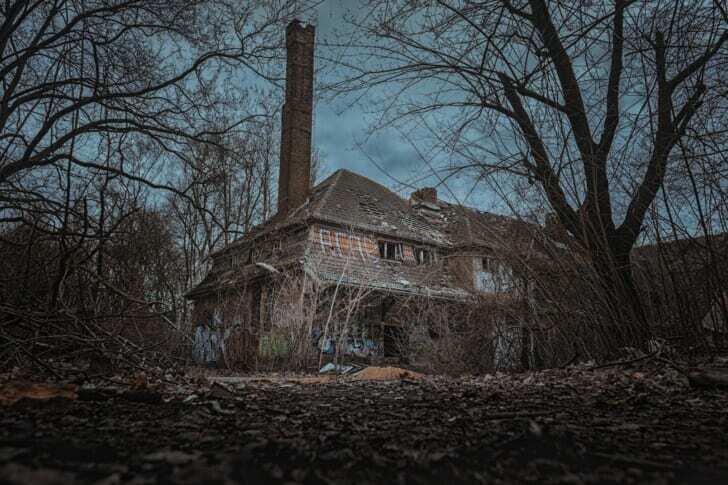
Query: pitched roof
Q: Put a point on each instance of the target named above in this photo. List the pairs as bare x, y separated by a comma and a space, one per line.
353, 200
692, 272
350, 200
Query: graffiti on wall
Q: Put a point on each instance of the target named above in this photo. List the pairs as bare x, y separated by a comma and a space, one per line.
357, 343
208, 345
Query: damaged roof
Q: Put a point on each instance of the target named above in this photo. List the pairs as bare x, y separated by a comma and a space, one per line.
351, 201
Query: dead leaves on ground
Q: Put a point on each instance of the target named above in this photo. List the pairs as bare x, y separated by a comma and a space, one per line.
641, 424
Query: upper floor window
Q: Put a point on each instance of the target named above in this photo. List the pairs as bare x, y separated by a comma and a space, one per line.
356, 246
424, 256
345, 244
328, 241
390, 250
492, 275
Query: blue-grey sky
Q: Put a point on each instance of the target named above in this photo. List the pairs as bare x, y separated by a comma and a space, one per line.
341, 129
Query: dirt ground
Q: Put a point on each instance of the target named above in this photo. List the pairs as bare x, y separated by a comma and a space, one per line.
637, 425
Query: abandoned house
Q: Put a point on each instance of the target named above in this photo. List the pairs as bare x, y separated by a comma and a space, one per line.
382, 252
349, 267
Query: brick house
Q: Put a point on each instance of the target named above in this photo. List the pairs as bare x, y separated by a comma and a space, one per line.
373, 259
350, 232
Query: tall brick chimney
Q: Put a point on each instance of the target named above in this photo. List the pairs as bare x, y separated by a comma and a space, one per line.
294, 181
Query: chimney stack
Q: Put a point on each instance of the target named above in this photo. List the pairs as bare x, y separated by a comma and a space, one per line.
427, 194
294, 181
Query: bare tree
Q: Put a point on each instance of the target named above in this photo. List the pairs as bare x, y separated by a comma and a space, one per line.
230, 187
72, 69
103, 102
586, 99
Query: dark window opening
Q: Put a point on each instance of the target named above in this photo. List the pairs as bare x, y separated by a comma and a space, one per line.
390, 250
394, 340
424, 256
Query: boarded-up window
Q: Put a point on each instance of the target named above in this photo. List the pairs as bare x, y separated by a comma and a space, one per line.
356, 247
324, 238
327, 241
342, 243
370, 247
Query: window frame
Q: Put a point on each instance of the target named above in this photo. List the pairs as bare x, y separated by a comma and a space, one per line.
421, 259
385, 245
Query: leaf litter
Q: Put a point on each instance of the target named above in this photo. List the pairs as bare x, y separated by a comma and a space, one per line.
644, 423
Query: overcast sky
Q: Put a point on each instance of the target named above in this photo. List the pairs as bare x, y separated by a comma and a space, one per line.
341, 130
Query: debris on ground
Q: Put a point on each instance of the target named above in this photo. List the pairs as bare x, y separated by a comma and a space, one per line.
336, 368
633, 424
709, 378
385, 374
14, 391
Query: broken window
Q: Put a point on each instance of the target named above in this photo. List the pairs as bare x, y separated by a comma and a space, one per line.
370, 247
409, 254
340, 243
424, 256
492, 275
390, 250
327, 241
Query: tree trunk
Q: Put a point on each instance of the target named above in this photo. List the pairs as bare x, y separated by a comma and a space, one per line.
627, 313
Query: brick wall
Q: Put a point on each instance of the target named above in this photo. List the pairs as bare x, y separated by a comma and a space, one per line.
295, 165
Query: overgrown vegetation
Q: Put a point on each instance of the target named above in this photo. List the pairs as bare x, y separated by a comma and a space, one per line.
127, 155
